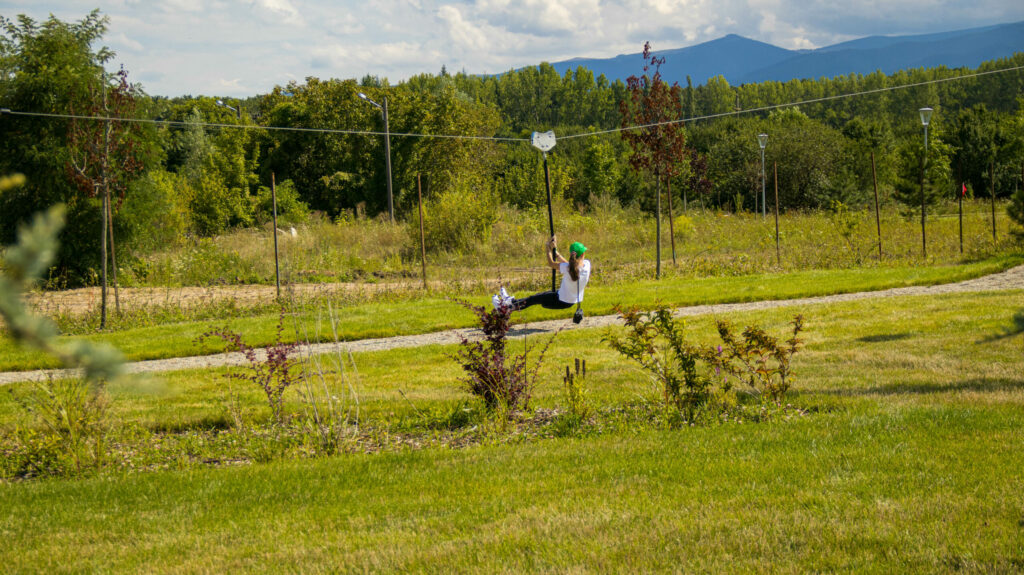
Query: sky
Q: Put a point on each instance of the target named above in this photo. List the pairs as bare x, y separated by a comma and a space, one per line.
241, 48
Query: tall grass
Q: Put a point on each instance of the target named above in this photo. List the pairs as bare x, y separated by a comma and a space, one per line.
621, 241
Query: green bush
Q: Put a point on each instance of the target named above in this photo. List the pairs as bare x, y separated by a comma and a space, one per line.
457, 219
694, 378
1016, 212
72, 413
215, 207
154, 212
290, 209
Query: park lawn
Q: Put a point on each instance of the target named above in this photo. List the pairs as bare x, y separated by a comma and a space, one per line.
870, 488
434, 314
850, 348
907, 460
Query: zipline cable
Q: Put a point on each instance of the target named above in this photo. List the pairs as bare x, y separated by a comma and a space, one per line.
182, 124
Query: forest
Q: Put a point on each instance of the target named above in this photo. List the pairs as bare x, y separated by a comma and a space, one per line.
178, 169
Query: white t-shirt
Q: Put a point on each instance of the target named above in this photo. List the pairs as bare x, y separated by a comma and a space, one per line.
567, 291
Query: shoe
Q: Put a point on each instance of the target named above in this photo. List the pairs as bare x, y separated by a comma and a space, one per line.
506, 298
496, 301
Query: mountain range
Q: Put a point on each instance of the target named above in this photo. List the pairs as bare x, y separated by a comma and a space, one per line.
742, 60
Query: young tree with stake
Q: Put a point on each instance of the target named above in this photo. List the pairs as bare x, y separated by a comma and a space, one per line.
652, 127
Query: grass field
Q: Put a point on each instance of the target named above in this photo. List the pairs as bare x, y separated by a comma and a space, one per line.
421, 313
902, 454
707, 244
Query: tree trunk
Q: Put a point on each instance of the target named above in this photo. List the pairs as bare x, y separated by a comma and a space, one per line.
113, 253
657, 187
103, 265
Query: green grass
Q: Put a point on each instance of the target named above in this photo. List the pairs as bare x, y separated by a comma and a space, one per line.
406, 317
707, 243
906, 490
908, 461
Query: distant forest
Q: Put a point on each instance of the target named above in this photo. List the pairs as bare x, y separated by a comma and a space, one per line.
205, 164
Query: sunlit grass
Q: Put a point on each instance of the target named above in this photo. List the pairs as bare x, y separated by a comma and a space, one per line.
707, 243
429, 314
907, 461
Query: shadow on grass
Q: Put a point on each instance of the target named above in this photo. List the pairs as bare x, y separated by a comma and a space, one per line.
883, 337
984, 385
201, 423
1016, 329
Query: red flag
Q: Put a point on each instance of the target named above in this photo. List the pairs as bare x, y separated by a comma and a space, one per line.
963, 192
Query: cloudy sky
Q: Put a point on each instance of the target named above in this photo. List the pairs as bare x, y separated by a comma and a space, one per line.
244, 47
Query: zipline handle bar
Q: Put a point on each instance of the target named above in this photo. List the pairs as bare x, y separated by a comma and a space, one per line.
544, 141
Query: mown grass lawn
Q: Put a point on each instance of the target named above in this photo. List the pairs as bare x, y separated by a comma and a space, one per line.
907, 460
433, 314
866, 489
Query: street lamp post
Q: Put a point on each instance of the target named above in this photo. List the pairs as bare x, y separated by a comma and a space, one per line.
762, 141
387, 149
926, 116
237, 111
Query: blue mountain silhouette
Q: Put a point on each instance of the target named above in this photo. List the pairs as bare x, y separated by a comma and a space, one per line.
742, 60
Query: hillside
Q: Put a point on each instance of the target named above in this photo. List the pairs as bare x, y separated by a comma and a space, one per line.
742, 60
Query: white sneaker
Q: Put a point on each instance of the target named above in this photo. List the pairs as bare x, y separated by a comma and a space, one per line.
497, 301
506, 298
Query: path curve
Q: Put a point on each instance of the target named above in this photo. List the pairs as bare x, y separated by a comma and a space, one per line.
1008, 280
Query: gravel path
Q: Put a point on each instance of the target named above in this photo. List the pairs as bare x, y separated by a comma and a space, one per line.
1008, 280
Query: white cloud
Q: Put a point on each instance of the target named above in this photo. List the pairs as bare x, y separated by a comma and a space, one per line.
241, 47
540, 17
463, 34
281, 11
186, 5
122, 40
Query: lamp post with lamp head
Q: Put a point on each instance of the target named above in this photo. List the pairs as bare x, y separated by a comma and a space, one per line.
387, 149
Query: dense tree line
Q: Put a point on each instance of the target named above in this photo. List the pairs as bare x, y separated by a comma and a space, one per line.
197, 179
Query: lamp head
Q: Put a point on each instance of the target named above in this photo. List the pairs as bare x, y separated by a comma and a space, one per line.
762, 140
926, 116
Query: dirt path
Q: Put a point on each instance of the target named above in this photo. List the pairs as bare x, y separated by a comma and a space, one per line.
1008, 280
84, 300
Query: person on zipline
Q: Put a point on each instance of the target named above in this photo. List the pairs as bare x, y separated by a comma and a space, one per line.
575, 275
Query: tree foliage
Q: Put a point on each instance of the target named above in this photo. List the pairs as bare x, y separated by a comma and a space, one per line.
208, 168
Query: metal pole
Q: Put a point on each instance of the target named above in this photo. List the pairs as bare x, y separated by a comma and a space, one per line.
423, 241
878, 218
775, 172
960, 202
277, 266
960, 209
671, 225
387, 159
924, 175
551, 218
992, 187
764, 212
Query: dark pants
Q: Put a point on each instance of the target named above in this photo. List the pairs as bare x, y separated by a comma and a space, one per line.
546, 299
